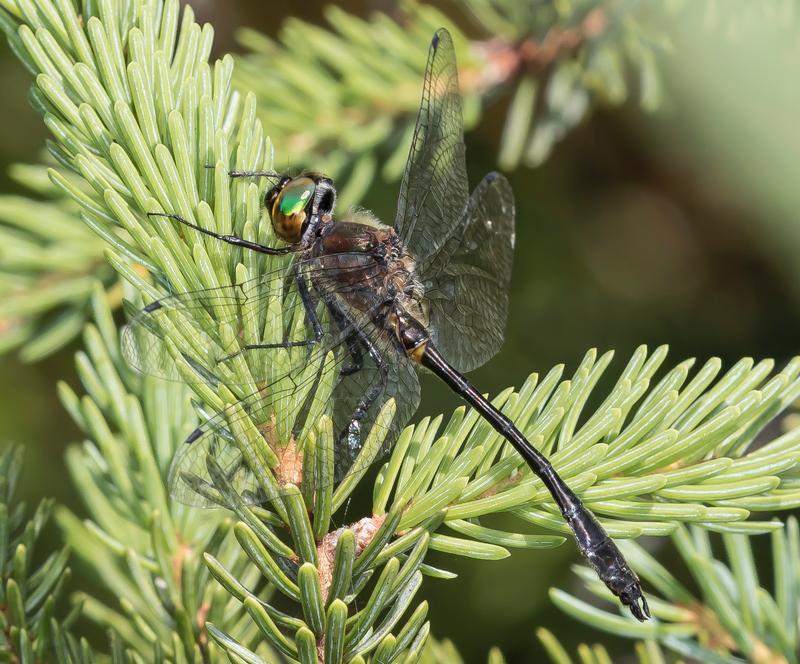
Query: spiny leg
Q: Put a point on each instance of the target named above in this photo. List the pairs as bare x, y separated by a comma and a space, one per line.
357, 340
230, 239
354, 347
253, 174
356, 356
246, 174
352, 433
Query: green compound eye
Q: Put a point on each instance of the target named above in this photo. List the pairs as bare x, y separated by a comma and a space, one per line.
296, 195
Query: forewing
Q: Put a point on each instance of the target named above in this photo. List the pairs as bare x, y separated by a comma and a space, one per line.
236, 335
466, 283
434, 187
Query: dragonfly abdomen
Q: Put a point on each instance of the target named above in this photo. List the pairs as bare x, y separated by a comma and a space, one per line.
594, 543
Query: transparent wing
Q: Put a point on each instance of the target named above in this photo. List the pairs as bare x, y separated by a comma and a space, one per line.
267, 441
434, 189
466, 281
241, 334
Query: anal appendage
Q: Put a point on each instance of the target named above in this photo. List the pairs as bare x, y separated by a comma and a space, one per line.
607, 560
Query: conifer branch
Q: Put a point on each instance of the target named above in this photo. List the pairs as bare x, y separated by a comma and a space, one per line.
555, 61
48, 265
444, 652
137, 114
146, 550
328, 107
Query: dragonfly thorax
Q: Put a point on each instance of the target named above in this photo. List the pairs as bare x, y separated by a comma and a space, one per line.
370, 261
361, 234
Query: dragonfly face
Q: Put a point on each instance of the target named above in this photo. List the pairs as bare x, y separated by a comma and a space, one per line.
349, 320
296, 205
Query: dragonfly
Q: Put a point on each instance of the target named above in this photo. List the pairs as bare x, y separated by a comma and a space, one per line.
343, 321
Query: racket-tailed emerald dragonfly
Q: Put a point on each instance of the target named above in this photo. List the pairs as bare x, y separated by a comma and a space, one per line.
343, 320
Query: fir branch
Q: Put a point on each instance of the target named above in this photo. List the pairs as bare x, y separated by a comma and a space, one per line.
137, 127
146, 550
645, 652
329, 106
445, 652
647, 459
555, 62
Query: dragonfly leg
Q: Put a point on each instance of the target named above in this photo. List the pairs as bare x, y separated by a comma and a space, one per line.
352, 433
356, 341
245, 174
356, 357
253, 174
230, 239
311, 314
354, 347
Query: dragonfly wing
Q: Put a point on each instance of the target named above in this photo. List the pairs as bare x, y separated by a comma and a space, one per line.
434, 188
236, 335
466, 283
261, 444
255, 444
192, 323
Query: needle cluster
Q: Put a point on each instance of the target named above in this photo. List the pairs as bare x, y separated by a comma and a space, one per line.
723, 614
31, 624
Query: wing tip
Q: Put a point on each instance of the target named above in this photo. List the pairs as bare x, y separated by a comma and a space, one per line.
494, 176
153, 306
497, 179
439, 35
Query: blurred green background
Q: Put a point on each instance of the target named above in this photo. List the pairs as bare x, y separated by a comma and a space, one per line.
678, 227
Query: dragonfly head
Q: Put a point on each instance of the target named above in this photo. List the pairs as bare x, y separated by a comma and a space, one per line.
296, 204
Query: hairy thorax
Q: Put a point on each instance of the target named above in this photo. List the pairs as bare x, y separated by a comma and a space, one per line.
368, 257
